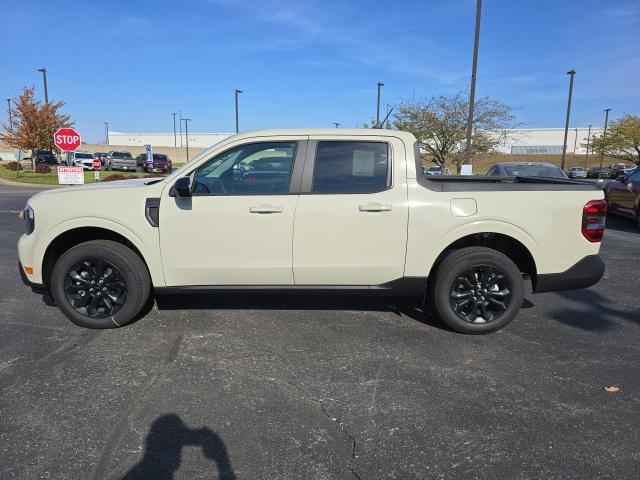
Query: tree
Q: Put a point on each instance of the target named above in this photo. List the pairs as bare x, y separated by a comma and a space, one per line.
622, 140
34, 123
440, 125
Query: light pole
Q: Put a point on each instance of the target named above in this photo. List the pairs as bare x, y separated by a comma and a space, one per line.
175, 141
566, 124
186, 132
106, 132
180, 125
472, 91
379, 84
336, 124
604, 134
44, 77
10, 116
586, 155
238, 92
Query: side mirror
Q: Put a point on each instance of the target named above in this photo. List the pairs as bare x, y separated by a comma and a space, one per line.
623, 178
183, 187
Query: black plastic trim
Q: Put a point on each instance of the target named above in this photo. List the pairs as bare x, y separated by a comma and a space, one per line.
406, 286
583, 274
152, 211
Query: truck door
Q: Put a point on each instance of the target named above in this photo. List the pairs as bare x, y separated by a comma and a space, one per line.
351, 220
237, 228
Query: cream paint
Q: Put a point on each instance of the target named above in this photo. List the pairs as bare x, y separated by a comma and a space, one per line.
321, 239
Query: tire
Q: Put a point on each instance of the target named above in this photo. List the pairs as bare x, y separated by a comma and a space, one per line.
497, 275
118, 274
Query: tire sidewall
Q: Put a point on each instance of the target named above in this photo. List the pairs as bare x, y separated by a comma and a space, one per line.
83, 252
447, 275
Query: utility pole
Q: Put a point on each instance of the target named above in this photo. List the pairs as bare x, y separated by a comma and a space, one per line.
106, 132
238, 92
10, 116
586, 155
180, 125
175, 141
336, 124
186, 131
472, 91
44, 77
566, 125
604, 134
379, 84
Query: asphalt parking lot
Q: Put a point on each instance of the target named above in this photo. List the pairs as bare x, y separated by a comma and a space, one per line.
296, 386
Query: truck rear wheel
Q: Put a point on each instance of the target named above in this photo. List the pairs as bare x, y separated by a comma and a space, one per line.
100, 284
477, 290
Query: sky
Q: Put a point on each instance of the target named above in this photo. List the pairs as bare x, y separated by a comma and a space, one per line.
307, 63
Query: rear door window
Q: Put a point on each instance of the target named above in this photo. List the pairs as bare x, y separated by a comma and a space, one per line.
351, 167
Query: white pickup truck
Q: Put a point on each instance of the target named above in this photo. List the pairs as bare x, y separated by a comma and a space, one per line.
313, 210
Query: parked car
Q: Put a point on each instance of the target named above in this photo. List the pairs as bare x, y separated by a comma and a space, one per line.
364, 217
45, 156
526, 169
599, 172
83, 159
623, 195
120, 161
577, 172
617, 169
102, 156
161, 163
436, 170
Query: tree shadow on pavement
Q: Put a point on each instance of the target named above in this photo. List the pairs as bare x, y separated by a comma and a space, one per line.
163, 451
595, 311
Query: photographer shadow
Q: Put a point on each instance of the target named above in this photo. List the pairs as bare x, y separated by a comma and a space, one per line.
163, 450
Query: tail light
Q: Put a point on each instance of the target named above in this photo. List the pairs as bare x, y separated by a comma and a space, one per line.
594, 215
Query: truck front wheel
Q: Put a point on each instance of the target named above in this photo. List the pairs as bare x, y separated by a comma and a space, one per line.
476, 290
100, 284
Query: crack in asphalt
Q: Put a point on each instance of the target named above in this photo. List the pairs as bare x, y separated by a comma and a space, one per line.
60, 355
125, 423
333, 420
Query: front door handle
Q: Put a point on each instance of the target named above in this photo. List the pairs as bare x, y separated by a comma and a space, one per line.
375, 207
265, 209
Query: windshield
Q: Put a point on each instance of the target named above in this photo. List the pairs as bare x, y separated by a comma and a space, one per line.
534, 171
435, 169
121, 155
84, 155
159, 158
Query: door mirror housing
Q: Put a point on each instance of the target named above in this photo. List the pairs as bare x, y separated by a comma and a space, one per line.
182, 187
623, 178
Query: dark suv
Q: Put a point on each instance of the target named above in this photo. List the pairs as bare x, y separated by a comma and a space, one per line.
44, 156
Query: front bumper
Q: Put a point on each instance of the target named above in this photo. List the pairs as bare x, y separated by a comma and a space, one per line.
35, 287
583, 274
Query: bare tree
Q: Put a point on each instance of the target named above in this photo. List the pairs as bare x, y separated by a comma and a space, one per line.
440, 124
34, 123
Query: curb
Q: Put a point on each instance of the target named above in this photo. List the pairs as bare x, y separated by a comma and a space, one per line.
25, 184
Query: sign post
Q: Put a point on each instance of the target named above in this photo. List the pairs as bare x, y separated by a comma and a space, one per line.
96, 165
149, 150
67, 139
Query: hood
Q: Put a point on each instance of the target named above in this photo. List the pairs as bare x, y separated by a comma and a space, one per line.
134, 183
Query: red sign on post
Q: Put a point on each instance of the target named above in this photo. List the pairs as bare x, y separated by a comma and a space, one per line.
67, 139
96, 164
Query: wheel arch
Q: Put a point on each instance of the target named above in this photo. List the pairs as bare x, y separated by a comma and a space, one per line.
71, 237
513, 248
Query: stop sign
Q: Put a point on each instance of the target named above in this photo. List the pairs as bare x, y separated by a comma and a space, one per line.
96, 164
67, 139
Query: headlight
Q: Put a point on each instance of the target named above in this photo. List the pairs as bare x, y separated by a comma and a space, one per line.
29, 216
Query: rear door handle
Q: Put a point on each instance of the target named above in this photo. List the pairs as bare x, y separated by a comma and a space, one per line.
375, 207
265, 209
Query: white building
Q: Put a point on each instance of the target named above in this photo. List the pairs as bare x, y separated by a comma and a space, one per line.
525, 141
520, 141
197, 140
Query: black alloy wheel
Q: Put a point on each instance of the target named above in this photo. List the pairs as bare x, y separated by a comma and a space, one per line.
480, 294
95, 288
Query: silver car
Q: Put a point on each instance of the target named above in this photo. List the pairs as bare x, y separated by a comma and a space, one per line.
577, 172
